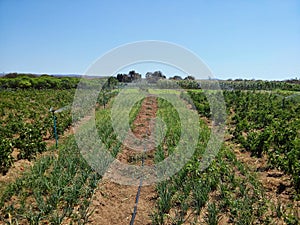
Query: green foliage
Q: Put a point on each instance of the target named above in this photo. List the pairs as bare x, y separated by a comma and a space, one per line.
183, 198
259, 85
201, 103
212, 217
26, 121
263, 125
6, 159
51, 190
27, 81
30, 142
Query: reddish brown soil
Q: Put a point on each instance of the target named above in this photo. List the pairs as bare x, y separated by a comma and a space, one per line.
114, 203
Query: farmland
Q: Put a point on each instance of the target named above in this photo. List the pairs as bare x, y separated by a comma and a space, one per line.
254, 178
26, 121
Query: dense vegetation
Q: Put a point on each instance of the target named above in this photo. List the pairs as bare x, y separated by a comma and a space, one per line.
26, 122
27, 81
289, 85
266, 123
263, 123
193, 196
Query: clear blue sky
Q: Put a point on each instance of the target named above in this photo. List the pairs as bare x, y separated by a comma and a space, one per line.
247, 39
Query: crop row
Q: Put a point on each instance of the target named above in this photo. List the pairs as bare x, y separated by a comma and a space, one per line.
225, 189
26, 121
264, 123
58, 187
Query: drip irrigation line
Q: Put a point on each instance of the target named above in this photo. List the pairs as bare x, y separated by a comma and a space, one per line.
136, 201
137, 197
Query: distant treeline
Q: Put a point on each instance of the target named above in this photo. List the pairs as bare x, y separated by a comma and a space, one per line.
27, 81
289, 85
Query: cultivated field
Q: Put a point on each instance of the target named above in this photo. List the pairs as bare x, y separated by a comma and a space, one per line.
253, 179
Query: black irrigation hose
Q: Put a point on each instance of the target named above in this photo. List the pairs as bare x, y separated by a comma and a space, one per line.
136, 202
137, 194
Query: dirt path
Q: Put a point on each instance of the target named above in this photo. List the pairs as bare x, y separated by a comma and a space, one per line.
114, 203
